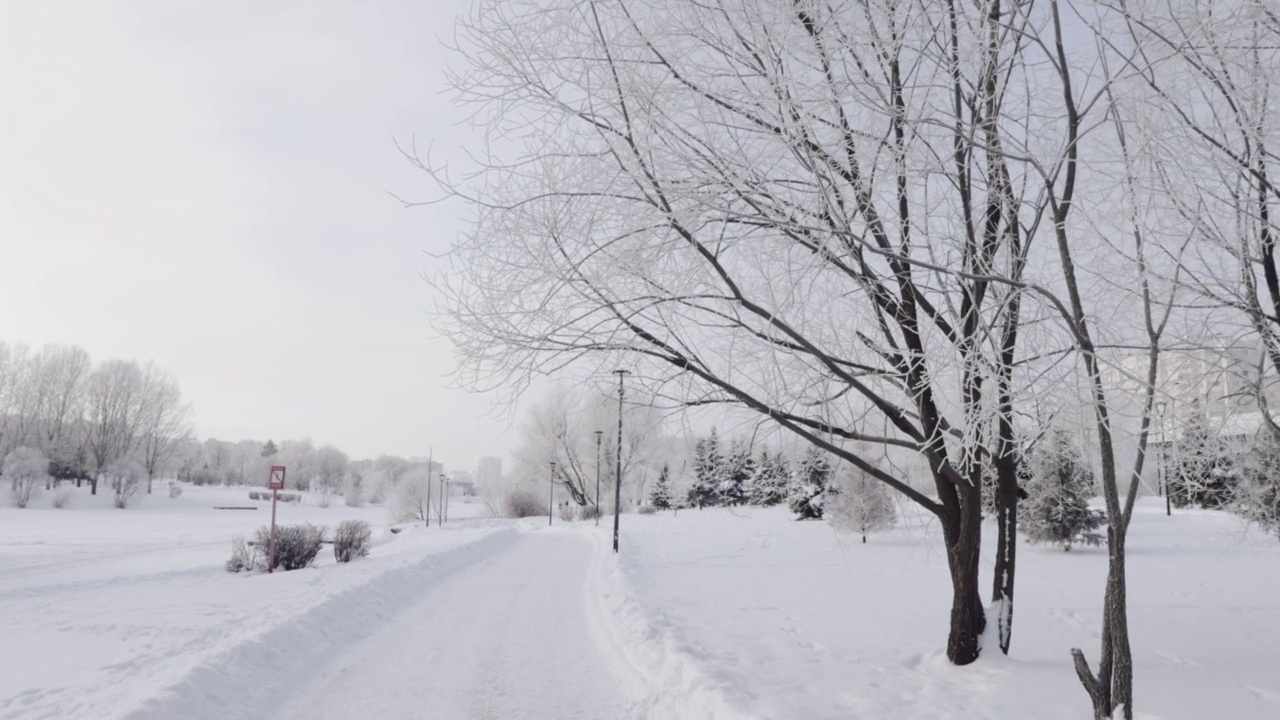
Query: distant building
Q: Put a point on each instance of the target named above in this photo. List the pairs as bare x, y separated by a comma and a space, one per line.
488, 471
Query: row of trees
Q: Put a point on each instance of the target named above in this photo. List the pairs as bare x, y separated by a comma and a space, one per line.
84, 416
875, 222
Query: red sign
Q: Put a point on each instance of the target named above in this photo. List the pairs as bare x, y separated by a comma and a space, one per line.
276, 482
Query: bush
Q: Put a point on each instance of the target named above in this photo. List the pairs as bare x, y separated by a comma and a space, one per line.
61, 496
126, 477
243, 557
588, 512
205, 476
175, 490
647, 510
296, 545
351, 540
521, 504
568, 511
26, 470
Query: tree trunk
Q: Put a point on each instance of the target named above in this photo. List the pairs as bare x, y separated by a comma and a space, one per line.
962, 531
1006, 546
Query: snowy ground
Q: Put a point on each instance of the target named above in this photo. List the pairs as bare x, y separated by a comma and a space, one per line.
716, 614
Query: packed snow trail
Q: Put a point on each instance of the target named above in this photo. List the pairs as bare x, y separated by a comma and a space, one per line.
505, 639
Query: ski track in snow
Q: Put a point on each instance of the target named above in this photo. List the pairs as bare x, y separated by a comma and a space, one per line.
507, 638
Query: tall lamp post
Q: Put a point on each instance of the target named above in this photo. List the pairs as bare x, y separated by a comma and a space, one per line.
599, 436
444, 498
617, 488
551, 496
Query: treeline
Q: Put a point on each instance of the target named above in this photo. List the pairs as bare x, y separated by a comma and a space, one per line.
118, 418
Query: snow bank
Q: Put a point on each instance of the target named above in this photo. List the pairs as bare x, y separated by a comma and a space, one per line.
671, 681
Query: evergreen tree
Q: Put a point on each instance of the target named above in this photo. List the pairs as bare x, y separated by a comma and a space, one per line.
808, 490
1203, 473
1258, 495
768, 484
662, 495
708, 465
1057, 507
270, 449
736, 475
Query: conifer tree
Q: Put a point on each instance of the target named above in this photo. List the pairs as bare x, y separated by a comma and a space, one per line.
661, 495
808, 490
768, 485
707, 468
1203, 472
1057, 508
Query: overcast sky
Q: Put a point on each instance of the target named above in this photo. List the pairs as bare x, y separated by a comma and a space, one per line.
205, 184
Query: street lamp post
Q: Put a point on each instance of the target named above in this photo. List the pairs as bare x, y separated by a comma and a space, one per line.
599, 436
1164, 469
617, 488
551, 496
444, 498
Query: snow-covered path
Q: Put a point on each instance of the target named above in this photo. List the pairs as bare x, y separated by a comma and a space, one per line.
507, 638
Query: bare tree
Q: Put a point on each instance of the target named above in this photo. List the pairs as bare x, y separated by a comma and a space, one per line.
63, 375
164, 422
114, 403
819, 213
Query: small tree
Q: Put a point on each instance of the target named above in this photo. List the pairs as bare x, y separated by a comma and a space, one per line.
1203, 473
269, 449
861, 504
125, 476
808, 490
27, 470
1057, 508
662, 494
412, 496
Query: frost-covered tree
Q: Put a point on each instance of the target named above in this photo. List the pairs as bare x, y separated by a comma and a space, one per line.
808, 491
662, 494
1257, 498
412, 500
26, 469
1204, 473
861, 504
768, 485
738, 471
708, 470
1057, 507
125, 476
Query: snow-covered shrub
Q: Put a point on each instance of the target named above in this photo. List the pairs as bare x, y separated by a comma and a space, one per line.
325, 493
175, 490
62, 496
243, 557
296, 545
353, 490
26, 470
861, 504
588, 512
125, 476
808, 491
1058, 490
351, 540
568, 511
647, 510
521, 504
410, 501
204, 476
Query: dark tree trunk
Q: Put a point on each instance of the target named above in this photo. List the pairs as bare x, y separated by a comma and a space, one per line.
962, 531
1006, 546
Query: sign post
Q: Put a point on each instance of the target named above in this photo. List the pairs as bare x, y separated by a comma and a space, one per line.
276, 483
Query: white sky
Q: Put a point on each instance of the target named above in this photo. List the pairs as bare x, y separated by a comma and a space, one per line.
205, 184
